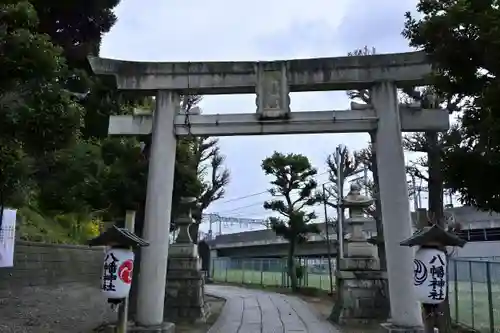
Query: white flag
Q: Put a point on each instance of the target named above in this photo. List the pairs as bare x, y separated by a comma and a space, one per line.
7, 237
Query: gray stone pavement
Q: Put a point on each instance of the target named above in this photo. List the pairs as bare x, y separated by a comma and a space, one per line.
254, 311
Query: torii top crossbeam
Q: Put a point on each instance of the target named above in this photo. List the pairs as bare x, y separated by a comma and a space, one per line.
234, 77
272, 81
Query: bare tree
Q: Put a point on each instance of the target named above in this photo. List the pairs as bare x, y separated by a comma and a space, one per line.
209, 163
349, 165
213, 177
434, 144
368, 158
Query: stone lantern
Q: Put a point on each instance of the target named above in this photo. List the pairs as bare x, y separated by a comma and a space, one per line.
184, 295
183, 223
357, 245
360, 282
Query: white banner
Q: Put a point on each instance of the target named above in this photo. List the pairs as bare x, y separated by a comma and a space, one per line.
7, 237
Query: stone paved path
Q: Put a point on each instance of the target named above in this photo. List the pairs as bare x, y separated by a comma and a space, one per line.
254, 311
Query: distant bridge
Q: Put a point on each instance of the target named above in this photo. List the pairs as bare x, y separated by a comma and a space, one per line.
265, 243
227, 221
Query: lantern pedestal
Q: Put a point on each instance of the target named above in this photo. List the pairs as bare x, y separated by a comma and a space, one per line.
184, 294
360, 298
184, 297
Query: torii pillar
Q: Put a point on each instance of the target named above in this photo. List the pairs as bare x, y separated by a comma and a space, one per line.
151, 296
405, 309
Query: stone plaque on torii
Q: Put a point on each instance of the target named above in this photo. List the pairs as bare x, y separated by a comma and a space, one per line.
272, 81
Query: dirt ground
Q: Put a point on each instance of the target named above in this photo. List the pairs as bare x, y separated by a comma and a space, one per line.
71, 308
323, 305
215, 305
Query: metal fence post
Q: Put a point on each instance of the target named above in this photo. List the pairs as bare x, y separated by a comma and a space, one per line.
212, 275
306, 274
284, 274
490, 298
261, 272
243, 271
225, 280
471, 294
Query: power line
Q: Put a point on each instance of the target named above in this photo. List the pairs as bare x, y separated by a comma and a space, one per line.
260, 203
240, 208
244, 197
260, 193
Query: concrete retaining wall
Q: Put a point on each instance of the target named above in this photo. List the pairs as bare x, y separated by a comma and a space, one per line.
39, 264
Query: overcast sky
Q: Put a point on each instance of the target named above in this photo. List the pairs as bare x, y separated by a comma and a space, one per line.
196, 30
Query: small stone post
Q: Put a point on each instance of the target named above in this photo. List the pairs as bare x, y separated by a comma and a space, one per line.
184, 299
359, 277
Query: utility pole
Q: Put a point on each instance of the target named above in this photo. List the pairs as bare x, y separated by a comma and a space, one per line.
365, 179
328, 249
210, 230
340, 193
419, 194
416, 201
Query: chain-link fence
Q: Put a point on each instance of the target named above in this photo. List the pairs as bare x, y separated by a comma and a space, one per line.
272, 272
474, 293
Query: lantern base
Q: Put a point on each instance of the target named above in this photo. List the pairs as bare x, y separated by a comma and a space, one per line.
184, 294
361, 292
391, 328
132, 328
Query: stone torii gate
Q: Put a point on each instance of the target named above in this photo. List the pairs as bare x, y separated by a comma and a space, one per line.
272, 81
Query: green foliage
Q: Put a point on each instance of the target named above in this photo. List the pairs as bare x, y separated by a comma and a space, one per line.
107, 175
37, 115
40, 147
54, 149
199, 173
212, 176
293, 180
300, 271
461, 38
61, 229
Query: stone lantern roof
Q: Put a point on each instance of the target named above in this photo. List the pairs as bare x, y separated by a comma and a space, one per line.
355, 199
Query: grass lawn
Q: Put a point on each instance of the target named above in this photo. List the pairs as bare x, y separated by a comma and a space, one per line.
473, 307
